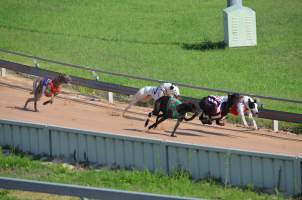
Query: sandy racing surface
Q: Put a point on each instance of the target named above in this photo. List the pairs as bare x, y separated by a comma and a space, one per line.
74, 112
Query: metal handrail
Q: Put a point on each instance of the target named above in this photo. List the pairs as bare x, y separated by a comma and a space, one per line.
146, 79
81, 191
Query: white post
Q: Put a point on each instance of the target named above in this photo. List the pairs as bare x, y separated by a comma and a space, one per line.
3, 72
110, 97
275, 125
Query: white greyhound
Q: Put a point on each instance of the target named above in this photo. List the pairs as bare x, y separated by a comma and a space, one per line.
246, 106
146, 93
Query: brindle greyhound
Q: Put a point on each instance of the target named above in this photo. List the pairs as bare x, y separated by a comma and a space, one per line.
48, 87
217, 107
171, 108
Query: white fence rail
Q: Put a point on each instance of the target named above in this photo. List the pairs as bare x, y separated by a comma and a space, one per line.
231, 166
81, 191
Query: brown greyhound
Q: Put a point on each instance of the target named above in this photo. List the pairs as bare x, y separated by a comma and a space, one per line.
48, 87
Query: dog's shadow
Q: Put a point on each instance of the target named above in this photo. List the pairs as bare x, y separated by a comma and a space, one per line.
201, 132
184, 133
160, 133
134, 118
147, 132
20, 108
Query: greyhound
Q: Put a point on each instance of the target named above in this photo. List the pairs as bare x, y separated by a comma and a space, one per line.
48, 87
171, 108
217, 107
246, 106
147, 93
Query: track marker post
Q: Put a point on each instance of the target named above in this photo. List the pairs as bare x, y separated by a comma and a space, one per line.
275, 125
110, 97
3, 72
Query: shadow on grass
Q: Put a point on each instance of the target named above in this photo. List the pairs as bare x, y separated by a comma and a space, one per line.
204, 46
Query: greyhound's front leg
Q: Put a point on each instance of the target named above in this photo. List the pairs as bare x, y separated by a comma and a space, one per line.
244, 120
49, 101
148, 119
175, 127
254, 122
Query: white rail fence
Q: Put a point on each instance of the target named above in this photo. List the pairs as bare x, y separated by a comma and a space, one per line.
231, 166
81, 191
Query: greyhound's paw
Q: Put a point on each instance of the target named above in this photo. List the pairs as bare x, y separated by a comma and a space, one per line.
173, 135
220, 122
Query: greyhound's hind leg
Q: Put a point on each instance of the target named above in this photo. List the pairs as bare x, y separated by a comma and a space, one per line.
133, 101
36, 109
158, 121
28, 100
139, 96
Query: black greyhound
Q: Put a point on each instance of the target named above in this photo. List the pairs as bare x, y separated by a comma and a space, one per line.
48, 87
171, 108
216, 108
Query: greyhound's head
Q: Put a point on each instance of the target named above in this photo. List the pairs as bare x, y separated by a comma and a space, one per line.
61, 79
252, 105
174, 90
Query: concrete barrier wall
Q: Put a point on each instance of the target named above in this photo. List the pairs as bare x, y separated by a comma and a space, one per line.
231, 166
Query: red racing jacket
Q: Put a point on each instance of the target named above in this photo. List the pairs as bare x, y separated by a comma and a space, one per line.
51, 89
234, 109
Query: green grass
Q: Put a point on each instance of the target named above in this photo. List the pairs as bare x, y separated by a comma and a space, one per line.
22, 166
162, 39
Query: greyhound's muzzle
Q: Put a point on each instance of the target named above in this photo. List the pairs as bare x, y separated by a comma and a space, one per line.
255, 114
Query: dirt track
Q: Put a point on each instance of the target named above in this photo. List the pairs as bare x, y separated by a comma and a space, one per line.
99, 116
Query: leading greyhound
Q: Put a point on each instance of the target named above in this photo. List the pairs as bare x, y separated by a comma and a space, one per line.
246, 106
